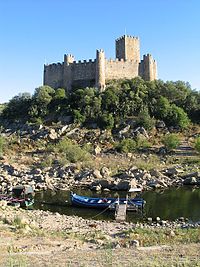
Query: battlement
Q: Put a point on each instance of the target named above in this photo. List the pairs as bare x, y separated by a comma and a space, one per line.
126, 36
53, 65
89, 61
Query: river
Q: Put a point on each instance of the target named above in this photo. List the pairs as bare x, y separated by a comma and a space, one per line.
169, 204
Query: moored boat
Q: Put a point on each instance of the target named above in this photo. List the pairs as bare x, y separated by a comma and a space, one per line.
22, 196
106, 203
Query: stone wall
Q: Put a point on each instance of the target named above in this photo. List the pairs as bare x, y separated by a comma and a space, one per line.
83, 70
53, 75
121, 69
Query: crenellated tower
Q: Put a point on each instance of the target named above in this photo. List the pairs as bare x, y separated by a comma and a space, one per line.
148, 68
128, 48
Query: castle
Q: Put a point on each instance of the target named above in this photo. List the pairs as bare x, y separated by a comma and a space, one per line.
95, 73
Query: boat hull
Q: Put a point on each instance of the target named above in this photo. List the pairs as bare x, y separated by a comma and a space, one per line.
105, 203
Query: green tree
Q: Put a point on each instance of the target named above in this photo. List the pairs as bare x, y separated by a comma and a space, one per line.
41, 99
145, 120
106, 121
18, 107
178, 117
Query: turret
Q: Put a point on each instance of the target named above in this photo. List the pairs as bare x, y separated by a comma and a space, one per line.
67, 71
148, 68
100, 79
68, 59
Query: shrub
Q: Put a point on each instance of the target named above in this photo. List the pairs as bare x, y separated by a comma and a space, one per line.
2, 143
126, 145
71, 151
145, 120
142, 143
171, 141
106, 121
197, 144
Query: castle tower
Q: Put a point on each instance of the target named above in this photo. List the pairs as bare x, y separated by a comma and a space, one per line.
67, 71
148, 68
100, 79
128, 48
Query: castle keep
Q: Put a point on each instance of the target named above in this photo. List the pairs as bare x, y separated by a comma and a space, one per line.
95, 73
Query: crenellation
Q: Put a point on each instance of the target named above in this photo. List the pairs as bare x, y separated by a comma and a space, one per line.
83, 73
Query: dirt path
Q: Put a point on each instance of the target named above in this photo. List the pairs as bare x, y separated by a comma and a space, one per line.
155, 256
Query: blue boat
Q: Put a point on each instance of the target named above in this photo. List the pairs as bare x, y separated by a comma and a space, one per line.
106, 203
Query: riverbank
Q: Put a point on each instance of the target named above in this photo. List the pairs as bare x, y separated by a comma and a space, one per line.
29, 235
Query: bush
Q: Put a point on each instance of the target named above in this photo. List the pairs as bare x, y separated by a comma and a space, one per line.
72, 152
197, 144
142, 143
126, 145
171, 141
106, 121
145, 120
2, 143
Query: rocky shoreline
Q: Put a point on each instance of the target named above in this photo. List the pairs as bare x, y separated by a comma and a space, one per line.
103, 232
68, 177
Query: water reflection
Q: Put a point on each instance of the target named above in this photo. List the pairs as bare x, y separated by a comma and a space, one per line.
168, 205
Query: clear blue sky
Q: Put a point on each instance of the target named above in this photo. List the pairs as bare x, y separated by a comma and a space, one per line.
33, 32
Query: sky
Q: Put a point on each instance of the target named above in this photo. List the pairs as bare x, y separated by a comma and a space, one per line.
35, 32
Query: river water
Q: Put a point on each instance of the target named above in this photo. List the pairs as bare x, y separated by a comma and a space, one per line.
169, 204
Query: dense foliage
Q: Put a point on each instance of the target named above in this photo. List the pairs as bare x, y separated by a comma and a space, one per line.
175, 103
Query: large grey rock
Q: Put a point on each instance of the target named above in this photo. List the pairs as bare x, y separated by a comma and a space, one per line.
190, 181
156, 173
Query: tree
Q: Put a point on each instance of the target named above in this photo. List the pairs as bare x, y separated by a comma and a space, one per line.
106, 121
178, 117
18, 107
162, 108
145, 120
41, 99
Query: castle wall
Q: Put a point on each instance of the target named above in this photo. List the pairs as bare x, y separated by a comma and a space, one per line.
83, 70
119, 69
53, 75
90, 73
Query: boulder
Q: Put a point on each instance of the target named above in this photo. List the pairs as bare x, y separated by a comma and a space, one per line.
97, 174
105, 183
156, 173
105, 172
190, 181
97, 150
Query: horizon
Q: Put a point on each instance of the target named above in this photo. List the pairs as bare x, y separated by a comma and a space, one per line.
40, 32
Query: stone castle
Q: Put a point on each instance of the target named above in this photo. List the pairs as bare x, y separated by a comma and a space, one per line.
95, 73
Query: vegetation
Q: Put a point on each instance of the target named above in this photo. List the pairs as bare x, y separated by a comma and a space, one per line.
130, 145
2, 143
72, 152
197, 144
175, 103
171, 141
